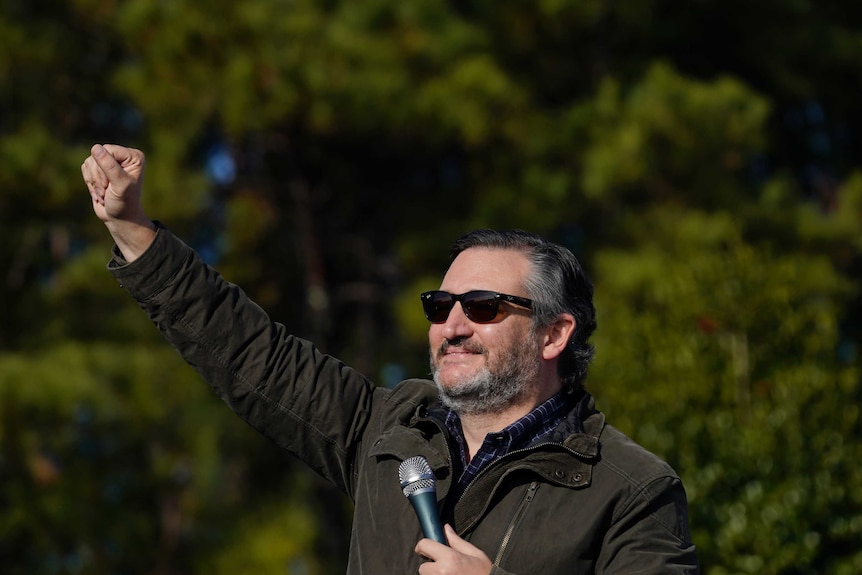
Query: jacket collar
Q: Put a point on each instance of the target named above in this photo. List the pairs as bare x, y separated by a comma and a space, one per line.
423, 432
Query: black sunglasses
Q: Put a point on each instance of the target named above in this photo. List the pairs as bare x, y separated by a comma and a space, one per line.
480, 306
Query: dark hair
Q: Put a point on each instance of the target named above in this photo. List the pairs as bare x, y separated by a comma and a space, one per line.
557, 285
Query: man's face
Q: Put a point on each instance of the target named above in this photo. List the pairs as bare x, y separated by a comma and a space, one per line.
482, 367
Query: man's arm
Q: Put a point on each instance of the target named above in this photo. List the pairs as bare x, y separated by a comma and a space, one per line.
650, 534
305, 401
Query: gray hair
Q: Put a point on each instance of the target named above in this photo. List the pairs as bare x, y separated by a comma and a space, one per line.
557, 285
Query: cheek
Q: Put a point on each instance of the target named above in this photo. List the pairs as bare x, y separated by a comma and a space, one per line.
435, 336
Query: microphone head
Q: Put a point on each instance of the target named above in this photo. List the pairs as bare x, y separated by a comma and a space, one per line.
416, 476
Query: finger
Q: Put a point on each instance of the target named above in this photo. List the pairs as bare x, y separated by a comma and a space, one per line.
463, 546
430, 549
85, 174
108, 163
126, 157
455, 542
95, 179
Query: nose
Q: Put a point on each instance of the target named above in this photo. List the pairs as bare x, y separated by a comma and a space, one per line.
457, 325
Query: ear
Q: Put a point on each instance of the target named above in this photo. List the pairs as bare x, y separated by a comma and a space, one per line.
558, 336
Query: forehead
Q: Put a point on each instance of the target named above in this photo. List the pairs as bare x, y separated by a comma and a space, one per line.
488, 269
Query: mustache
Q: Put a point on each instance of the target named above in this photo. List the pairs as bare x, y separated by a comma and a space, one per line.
463, 344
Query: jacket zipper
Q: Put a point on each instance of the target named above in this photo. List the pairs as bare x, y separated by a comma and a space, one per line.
511, 454
516, 520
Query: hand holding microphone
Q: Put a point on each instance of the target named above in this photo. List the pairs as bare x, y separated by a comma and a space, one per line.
420, 487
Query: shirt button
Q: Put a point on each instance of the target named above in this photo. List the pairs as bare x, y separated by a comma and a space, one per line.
559, 474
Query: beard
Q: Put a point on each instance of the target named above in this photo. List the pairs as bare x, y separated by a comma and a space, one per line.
502, 382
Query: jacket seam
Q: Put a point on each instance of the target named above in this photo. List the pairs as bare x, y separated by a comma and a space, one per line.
638, 492
205, 344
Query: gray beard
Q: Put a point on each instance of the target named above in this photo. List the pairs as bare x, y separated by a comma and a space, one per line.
491, 388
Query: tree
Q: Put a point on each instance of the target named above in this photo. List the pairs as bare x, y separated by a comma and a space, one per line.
721, 355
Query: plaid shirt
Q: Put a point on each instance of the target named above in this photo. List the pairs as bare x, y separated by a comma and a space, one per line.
528, 430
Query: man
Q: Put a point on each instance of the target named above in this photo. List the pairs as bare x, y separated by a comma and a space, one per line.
529, 477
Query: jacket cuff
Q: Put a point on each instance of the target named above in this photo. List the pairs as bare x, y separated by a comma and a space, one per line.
148, 274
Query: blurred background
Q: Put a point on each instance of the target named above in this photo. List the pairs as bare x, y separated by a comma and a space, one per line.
702, 158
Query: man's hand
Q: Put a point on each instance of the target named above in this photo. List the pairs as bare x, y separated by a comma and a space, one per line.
115, 177
461, 558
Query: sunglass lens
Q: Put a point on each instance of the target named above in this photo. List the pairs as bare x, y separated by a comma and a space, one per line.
437, 306
480, 306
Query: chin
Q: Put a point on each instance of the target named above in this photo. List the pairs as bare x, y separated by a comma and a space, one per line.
455, 379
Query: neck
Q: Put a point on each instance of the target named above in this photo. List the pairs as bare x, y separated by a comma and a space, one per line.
477, 425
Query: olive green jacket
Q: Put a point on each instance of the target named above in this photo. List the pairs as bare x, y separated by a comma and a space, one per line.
588, 500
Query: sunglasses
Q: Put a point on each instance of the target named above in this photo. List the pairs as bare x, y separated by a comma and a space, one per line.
480, 306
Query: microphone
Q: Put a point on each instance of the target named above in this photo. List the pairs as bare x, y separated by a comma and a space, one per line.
420, 487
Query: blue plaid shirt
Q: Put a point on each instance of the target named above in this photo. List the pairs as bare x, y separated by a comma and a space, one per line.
528, 430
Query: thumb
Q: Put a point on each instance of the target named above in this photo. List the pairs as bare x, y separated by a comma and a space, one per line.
107, 161
455, 542
471, 557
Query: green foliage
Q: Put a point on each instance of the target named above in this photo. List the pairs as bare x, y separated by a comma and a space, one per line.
108, 446
721, 355
673, 139
260, 545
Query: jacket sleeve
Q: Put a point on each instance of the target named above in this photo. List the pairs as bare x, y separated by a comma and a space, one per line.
307, 402
649, 533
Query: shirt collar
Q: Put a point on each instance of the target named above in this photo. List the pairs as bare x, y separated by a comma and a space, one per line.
529, 429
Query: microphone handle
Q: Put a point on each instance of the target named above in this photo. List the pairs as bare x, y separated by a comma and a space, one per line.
425, 506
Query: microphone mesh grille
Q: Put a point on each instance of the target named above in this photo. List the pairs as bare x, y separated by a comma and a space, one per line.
415, 475
413, 468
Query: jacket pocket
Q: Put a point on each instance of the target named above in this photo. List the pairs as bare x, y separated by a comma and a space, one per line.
517, 517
